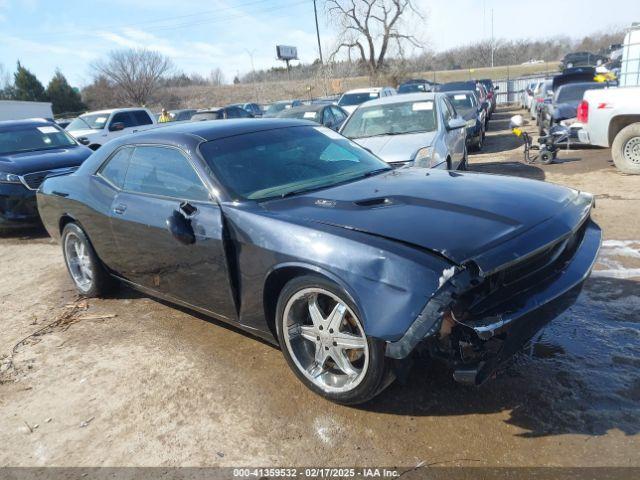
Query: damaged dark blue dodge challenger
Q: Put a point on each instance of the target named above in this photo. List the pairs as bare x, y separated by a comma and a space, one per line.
292, 232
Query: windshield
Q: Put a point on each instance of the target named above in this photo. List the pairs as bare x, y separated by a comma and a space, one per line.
32, 138
349, 99
414, 87
93, 121
462, 101
574, 93
392, 119
285, 161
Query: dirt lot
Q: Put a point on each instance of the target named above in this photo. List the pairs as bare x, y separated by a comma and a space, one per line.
131, 381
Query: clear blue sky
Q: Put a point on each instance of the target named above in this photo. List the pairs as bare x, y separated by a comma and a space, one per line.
201, 35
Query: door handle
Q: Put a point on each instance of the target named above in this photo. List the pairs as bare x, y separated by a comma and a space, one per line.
120, 209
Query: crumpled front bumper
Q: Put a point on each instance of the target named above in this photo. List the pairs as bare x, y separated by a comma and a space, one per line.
510, 325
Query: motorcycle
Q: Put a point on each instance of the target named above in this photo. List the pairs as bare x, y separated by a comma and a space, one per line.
548, 145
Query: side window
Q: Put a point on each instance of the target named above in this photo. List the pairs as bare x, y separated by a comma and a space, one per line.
451, 108
164, 171
116, 167
337, 113
327, 117
141, 117
231, 113
446, 111
123, 117
242, 113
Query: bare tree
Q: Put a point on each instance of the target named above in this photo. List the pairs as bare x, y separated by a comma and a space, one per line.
136, 73
372, 28
216, 77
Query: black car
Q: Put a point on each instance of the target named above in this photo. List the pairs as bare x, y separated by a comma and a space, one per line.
294, 233
468, 107
253, 108
331, 116
564, 104
416, 85
582, 59
473, 86
220, 113
30, 150
491, 92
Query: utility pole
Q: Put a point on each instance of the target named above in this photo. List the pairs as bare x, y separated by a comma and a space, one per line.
315, 11
253, 72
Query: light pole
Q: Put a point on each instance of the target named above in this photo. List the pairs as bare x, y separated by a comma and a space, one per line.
315, 11
253, 71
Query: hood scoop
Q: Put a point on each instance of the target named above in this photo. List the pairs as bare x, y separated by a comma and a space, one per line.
375, 202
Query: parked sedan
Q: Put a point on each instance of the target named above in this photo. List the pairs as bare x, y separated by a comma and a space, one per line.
253, 108
30, 150
416, 85
331, 116
468, 107
422, 129
292, 232
275, 108
492, 91
541, 95
564, 104
526, 96
220, 113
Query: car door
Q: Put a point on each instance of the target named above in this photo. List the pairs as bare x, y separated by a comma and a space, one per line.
455, 138
161, 183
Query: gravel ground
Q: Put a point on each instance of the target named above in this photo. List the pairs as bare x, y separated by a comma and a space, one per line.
131, 381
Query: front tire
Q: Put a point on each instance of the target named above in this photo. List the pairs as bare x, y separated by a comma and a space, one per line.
87, 272
626, 149
324, 343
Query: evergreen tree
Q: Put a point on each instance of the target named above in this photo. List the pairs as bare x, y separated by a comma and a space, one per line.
26, 86
63, 97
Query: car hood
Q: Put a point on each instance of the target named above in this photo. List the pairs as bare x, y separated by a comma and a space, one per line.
28, 162
397, 148
87, 132
489, 219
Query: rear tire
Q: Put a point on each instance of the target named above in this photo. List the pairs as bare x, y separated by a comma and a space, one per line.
309, 342
85, 268
626, 149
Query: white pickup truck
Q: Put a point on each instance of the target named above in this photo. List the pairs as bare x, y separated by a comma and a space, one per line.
611, 118
94, 129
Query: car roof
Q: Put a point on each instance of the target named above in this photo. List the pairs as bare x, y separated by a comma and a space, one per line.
216, 129
28, 122
405, 98
111, 110
365, 90
314, 107
458, 92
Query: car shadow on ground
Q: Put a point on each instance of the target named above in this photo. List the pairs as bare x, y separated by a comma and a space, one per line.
516, 169
578, 376
24, 233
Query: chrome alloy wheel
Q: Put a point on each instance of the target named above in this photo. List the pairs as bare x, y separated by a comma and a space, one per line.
632, 150
325, 340
78, 261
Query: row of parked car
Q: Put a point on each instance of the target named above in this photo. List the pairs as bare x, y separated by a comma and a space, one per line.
430, 125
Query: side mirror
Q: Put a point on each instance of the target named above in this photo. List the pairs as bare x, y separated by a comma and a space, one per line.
516, 122
83, 140
181, 229
496, 87
456, 123
116, 127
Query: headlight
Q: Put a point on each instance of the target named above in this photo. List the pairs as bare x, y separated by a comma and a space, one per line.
471, 123
424, 157
9, 178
